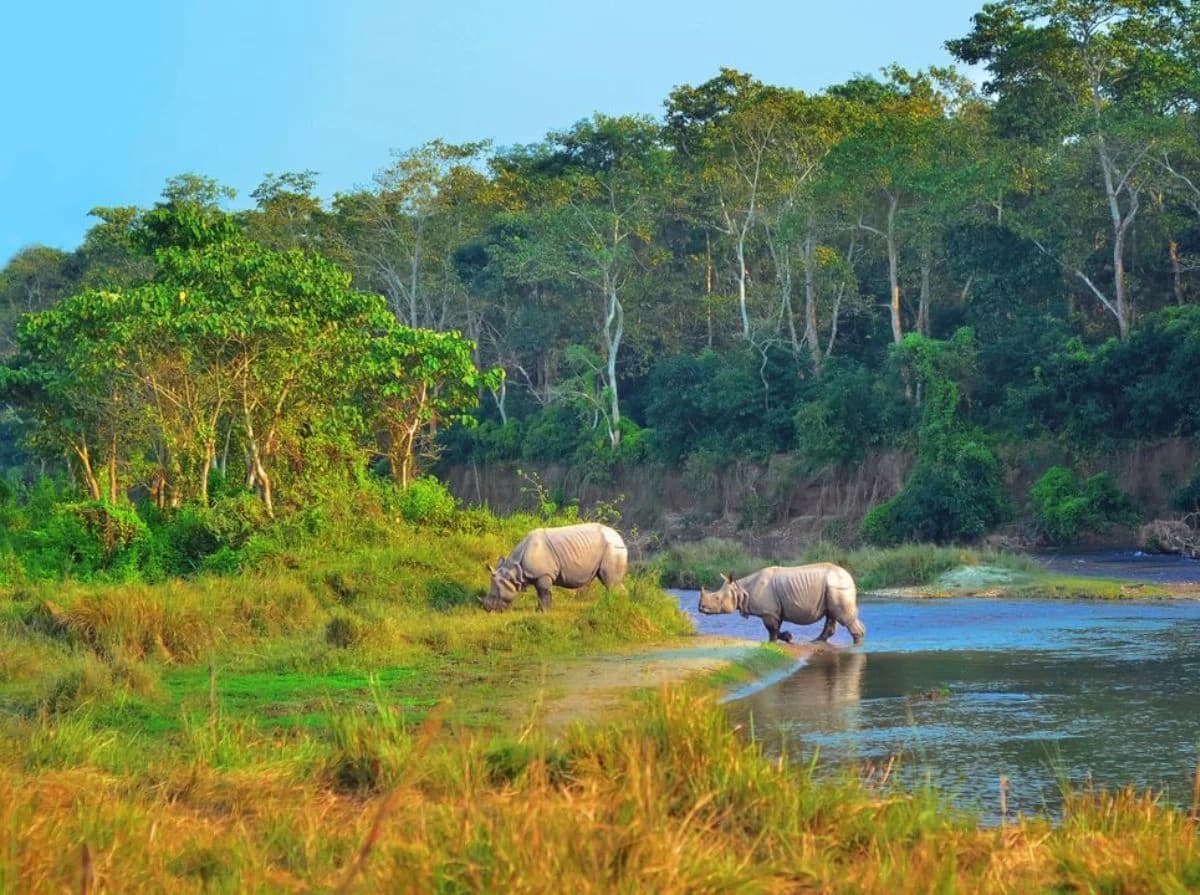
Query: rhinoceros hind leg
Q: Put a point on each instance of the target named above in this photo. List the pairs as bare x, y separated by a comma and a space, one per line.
543, 592
857, 630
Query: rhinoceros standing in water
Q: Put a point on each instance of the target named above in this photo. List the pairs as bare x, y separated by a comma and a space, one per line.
797, 594
570, 556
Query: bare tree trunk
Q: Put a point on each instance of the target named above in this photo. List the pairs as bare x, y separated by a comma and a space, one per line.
894, 269
614, 330
260, 479
742, 272
923, 305
841, 290
112, 471
85, 464
1176, 272
783, 273
811, 336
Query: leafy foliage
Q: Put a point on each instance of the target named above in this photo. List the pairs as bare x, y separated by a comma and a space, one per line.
955, 490
1066, 508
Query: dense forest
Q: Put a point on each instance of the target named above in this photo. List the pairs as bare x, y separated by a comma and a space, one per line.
905, 260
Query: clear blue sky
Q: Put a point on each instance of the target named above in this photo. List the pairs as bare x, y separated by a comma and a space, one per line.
102, 102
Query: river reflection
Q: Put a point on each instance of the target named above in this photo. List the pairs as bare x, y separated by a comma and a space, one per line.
966, 690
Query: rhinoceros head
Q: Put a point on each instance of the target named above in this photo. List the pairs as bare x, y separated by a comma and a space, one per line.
507, 580
727, 598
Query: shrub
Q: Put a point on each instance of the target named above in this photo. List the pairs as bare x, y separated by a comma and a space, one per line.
956, 490
427, 502
1065, 509
957, 500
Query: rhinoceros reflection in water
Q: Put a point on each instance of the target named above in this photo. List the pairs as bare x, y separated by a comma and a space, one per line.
570, 556
823, 693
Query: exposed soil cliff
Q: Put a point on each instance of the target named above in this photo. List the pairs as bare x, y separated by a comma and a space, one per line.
775, 505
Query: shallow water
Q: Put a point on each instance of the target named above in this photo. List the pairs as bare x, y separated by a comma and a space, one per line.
969, 689
1131, 565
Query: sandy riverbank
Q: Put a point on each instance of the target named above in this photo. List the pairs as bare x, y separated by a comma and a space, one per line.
595, 687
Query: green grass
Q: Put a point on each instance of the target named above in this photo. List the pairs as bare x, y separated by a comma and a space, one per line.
703, 563
213, 735
319, 630
913, 565
1066, 587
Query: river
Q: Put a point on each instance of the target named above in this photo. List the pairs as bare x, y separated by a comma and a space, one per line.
963, 691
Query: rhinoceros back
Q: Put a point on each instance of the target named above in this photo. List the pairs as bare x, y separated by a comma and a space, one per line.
574, 554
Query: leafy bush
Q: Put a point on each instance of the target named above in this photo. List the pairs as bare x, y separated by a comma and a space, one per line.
1065, 509
956, 490
553, 434
846, 412
426, 501
942, 502
736, 404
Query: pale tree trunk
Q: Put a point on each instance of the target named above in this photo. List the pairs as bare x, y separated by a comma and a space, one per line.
113, 490
1121, 219
85, 465
741, 281
893, 253
888, 234
1176, 272
740, 232
258, 477
783, 273
811, 334
840, 294
614, 330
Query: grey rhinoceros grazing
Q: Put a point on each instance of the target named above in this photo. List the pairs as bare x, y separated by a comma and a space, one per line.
570, 556
797, 594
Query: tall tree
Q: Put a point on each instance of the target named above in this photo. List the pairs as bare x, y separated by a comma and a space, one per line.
401, 235
1091, 76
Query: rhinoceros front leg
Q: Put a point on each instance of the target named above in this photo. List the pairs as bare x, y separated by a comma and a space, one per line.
827, 631
542, 585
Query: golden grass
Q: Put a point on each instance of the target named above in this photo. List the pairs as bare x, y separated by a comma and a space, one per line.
672, 801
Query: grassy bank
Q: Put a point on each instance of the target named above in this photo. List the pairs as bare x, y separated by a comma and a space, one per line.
691, 565
927, 570
345, 718
670, 800
281, 647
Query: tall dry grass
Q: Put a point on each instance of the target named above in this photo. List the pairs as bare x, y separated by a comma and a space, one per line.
670, 801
